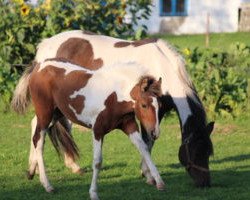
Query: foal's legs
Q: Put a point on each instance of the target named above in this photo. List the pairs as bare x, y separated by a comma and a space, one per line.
38, 140
136, 139
32, 156
68, 161
44, 117
144, 168
97, 163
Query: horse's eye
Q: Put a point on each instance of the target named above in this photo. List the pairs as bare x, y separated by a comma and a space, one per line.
144, 106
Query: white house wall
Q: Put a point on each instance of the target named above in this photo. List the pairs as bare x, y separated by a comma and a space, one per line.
223, 17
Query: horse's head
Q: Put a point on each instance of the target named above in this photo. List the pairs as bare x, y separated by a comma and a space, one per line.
146, 93
195, 151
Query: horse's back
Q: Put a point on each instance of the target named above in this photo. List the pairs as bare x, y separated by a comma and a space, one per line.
93, 51
71, 40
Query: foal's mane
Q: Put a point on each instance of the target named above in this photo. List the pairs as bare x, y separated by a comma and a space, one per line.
150, 85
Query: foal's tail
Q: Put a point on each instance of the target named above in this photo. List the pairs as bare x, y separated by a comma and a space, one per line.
21, 96
62, 140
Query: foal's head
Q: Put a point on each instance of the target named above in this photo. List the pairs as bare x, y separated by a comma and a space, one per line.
146, 93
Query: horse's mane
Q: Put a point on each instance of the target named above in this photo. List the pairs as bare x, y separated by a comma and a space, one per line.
178, 62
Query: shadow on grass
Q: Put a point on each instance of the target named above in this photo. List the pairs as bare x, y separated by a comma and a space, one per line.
228, 184
237, 158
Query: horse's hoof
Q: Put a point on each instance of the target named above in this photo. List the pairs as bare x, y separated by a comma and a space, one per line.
50, 189
142, 174
160, 186
29, 175
151, 182
80, 172
94, 197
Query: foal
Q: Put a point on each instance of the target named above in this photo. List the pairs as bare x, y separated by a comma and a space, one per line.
102, 100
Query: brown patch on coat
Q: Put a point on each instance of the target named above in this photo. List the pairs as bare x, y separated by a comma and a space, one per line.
89, 32
36, 136
138, 43
51, 88
121, 44
113, 116
78, 103
144, 42
80, 52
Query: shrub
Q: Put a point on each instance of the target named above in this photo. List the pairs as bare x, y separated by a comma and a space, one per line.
23, 26
221, 78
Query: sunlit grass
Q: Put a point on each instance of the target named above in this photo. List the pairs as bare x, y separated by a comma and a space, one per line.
120, 177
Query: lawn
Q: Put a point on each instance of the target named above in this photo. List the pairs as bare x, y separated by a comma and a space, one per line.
120, 177
220, 41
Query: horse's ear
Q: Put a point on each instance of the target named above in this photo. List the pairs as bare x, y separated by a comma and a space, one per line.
159, 92
160, 81
135, 92
210, 127
144, 84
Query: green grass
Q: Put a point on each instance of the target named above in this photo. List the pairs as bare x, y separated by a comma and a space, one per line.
120, 177
217, 40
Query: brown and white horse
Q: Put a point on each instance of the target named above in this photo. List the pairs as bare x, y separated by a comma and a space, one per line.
160, 60
103, 100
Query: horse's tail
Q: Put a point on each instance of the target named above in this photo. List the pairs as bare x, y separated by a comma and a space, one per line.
62, 140
21, 96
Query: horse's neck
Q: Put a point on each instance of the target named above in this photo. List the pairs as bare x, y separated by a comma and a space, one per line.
173, 85
183, 109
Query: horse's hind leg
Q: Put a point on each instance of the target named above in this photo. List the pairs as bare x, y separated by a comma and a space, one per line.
32, 157
68, 160
38, 140
44, 117
97, 163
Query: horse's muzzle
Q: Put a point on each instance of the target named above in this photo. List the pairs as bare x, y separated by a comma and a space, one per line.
154, 134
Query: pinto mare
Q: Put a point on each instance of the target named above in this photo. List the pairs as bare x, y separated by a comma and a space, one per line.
103, 100
161, 60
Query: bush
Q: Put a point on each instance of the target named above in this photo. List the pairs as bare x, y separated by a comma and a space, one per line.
23, 26
221, 78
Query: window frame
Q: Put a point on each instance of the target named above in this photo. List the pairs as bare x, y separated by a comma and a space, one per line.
173, 9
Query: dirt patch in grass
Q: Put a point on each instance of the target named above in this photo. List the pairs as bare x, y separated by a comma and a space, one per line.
81, 128
225, 129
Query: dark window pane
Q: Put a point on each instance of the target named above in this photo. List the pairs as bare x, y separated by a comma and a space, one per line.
167, 5
180, 6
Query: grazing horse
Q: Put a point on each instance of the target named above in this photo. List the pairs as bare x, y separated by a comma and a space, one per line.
161, 60
103, 100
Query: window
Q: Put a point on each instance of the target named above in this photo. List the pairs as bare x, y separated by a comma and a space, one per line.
173, 7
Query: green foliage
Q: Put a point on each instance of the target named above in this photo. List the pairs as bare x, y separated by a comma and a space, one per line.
221, 78
23, 26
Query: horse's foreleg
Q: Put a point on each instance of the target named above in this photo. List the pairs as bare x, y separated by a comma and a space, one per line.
97, 163
38, 141
144, 167
137, 140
